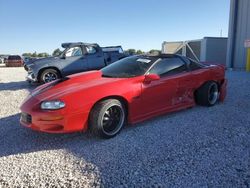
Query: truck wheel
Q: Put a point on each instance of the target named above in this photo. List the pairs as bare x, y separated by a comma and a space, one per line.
107, 118
49, 75
207, 94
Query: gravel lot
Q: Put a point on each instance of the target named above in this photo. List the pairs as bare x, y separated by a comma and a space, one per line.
198, 147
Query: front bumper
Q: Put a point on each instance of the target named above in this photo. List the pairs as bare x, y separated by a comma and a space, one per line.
52, 121
55, 122
31, 77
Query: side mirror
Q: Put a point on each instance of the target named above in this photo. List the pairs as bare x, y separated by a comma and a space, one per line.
151, 77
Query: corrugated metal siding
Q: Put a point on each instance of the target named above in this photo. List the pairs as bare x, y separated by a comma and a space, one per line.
242, 32
215, 50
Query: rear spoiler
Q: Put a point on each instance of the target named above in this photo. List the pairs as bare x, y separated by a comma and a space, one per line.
213, 63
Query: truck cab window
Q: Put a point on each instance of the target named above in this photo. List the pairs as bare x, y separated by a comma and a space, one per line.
120, 50
90, 50
75, 51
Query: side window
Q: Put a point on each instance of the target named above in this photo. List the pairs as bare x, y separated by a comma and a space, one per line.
193, 65
169, 66
91, 50
72, 52
120, 50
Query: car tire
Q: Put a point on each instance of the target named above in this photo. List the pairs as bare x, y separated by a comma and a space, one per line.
207, 94
49, 75
107, 118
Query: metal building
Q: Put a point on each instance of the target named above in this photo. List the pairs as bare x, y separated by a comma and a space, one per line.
210, 49
239, 33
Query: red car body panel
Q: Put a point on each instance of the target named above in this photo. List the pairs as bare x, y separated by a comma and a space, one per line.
143, 100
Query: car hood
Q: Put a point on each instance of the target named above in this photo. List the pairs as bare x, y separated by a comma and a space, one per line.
46, 60
73, 83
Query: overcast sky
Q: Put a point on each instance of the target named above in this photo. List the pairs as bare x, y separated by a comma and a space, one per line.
42, 25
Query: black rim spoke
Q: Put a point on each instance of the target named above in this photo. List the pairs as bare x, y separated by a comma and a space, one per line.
48, 77
112, 119
213, 94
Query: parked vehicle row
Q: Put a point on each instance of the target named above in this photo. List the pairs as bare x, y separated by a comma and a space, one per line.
1, 60
130, 90
77, 57
13, 61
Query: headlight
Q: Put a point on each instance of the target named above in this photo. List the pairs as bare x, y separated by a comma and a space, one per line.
52, 105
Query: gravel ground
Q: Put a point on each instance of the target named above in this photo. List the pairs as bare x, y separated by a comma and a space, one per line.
198, 147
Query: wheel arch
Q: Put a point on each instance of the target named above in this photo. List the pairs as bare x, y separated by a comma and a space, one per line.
44, 68
197, 90
219, 83
123, 100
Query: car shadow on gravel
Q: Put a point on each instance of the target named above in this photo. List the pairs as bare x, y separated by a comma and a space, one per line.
14, 86
16, 139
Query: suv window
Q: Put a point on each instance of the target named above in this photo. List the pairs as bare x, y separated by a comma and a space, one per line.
75, 51
169, 66
91, 49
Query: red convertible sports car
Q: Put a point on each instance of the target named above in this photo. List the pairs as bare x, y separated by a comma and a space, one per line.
128, 91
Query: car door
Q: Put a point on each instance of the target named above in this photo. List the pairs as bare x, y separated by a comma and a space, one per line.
185, 89
164, 94
189, 82
95, 58
74, 61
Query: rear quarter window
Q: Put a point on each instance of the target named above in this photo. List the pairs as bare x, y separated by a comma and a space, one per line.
91, 49
194, 65
169, 66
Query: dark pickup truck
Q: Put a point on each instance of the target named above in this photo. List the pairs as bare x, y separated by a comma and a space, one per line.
77, 57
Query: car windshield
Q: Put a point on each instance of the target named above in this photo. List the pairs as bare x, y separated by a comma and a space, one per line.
129, 67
